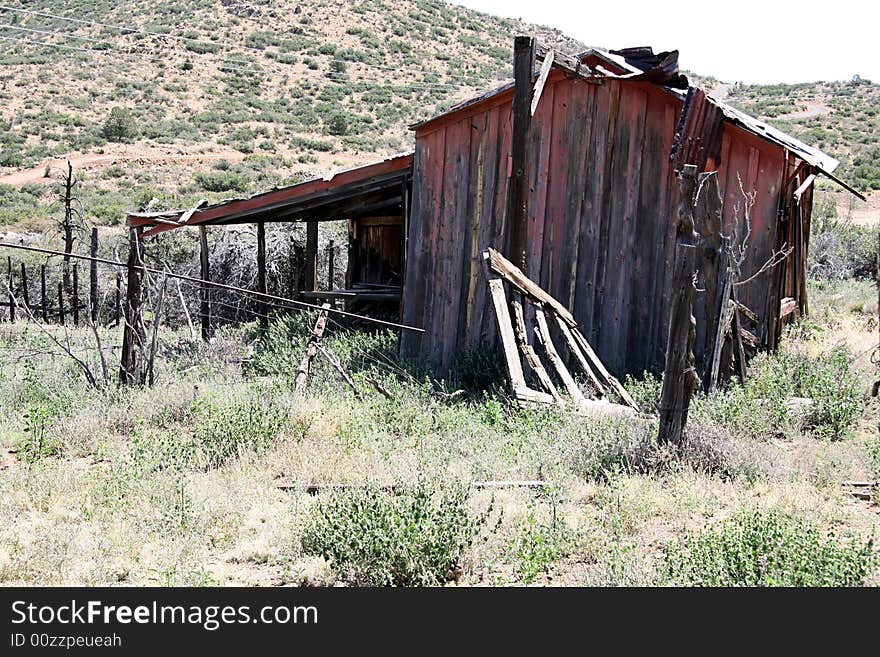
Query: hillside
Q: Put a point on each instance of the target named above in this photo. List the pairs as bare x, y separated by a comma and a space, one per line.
252, 94
282, 88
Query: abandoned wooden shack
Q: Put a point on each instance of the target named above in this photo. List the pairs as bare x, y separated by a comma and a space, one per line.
608, 133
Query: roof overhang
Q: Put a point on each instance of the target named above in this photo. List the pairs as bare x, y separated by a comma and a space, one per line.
345, 194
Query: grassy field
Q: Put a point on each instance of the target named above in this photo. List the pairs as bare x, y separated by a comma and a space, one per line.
202, 478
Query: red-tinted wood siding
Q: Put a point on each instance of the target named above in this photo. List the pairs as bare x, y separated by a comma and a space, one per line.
602, 209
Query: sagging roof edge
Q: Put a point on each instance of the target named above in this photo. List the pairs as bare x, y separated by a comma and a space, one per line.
202, 212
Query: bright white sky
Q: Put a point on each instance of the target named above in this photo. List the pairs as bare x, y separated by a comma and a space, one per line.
740, 40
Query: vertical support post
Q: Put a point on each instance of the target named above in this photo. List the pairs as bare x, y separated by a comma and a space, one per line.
118, 305
204, 288
134, 332
93, 278
10, 282
25, 293
518, 199
679, 377
331, 252
76, 294
262, 308
293, 269
44, 299
61, 302
311, 282
404, 234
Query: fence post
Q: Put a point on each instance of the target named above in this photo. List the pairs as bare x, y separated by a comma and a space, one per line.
76, 294
330, 255
134, 333
24, 287
118, 306
311, 282
10, 282
61, 302
204, 288
44, 299
262, 308
679, 377
93, 278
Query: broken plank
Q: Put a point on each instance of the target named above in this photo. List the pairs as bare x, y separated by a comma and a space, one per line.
543, 334
519, 330
505, 330
542, 80
604, 375
514, 275
578, 354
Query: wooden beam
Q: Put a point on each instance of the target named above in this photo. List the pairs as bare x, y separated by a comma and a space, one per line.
94, 301
578, 354
204, 288
505, 331
263, 309
518, 192
541, 81
543, 335
134, 332
301, 381
515, 276
679, 378
519, 330
311, 276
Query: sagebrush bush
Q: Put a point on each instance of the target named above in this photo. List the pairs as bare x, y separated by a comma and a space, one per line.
763, 406
413, 536
767, 549
840, 249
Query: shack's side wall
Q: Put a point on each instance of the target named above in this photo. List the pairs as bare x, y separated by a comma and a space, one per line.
602, 209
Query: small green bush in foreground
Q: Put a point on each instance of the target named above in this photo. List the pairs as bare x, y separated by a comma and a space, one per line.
767, 549
415, 536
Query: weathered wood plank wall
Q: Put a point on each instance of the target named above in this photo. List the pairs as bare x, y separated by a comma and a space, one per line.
601, 216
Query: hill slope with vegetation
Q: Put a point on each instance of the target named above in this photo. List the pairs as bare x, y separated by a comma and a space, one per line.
164, 103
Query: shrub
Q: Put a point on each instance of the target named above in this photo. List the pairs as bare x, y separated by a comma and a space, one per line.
537, 546
338, 124
767, 549
119, 125
221, 181
763, 406
415, 536
224, 430
840, 249
478, 370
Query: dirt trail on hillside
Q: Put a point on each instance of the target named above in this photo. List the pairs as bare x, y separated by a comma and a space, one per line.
96, 161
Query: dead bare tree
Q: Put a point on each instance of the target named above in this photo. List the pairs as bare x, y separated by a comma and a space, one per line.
740, 245
72, 224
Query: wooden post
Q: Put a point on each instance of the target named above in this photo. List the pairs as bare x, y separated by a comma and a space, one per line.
311, 282
262, 308
61, 302
134, 332
330, 255
11, 282
76, 294
25, 293
293, 273
518, 198
44, 299
118, 305
305, 367
679, 377
94, 305
204, 288
719, 327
